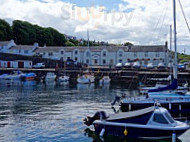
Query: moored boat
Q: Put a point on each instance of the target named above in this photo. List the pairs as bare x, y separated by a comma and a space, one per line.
105, 80
149, 123
86, 78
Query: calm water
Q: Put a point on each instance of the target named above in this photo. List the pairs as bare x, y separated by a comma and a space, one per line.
52, 112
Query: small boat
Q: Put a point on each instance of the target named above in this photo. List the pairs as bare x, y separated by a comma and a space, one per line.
3, 76
150, 123
86, 78
15, 75
28, 76
105, 80
50, 77
63, 78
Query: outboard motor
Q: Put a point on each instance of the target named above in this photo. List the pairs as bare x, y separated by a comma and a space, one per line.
117, 99
100, 115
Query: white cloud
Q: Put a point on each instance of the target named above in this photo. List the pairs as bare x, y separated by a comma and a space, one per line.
135, 21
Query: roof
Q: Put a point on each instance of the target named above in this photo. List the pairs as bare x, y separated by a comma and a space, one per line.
156, 48
2, 43
22, 47
130, 114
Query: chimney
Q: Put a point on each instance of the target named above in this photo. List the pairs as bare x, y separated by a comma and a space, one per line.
44, 45
166, 44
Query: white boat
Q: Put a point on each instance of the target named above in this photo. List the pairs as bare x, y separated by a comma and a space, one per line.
63, 78
50, 77
86, 78
105, 80
16, 75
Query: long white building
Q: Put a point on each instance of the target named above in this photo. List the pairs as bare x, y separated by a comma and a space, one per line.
97, 55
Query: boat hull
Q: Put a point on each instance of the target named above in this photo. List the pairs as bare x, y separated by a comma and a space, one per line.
134, 132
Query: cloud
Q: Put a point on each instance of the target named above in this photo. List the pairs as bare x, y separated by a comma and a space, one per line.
138, 21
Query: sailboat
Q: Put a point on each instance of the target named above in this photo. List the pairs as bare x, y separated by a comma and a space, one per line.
175, 102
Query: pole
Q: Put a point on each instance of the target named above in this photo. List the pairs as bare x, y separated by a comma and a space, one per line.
175, 40
170, 52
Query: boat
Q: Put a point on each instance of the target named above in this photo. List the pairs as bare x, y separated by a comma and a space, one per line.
86, 78
50, 77
105, 80
15, 75
161, 66
150, 123
28, 76
63, 78
3, 76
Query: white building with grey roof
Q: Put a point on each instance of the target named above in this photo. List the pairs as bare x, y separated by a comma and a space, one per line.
108, 55
95, 55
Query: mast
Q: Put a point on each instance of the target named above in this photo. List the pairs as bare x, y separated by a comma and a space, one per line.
170, 53
175, 40
89, 46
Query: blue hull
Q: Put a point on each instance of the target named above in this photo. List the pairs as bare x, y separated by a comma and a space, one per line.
144, 133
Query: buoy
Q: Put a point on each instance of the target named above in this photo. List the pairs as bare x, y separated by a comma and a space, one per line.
173, 137
102, 132
125, 132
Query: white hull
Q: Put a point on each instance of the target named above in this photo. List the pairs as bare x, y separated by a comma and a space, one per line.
85, 79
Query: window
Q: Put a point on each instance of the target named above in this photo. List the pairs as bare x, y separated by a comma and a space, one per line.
111, 61
76, 58
50, 53
87, 54
26, 51
44, 53
62, 52
87, 61
159, 118
104, 53
157, 54
146, 54
120, 61
95, 61
169, 117
135, 54
120, 53
76, 52
104, 61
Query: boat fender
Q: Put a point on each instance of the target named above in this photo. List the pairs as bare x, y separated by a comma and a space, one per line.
102, 132
125, 132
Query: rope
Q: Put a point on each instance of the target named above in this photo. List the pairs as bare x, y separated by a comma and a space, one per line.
182, 10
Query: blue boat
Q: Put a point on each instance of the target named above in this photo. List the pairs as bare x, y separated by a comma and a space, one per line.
150, 123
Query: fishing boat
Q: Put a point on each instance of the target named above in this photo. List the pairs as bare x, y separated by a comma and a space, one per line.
150, 123
50, 77
86, 78
105, 80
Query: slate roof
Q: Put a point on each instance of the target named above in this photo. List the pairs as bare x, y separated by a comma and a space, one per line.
3, 43
22, 47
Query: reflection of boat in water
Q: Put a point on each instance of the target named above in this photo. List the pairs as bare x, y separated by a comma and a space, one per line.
50, 77
86, 79
105, 80
85, 86
149, 123
28, 76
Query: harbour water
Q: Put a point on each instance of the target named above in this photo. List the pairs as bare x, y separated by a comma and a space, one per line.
31, 111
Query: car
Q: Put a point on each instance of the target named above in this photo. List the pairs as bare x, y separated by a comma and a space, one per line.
39, 65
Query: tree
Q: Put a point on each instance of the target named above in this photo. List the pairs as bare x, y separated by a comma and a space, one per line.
5, 31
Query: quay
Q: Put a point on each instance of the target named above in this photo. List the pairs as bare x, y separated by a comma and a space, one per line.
119, 76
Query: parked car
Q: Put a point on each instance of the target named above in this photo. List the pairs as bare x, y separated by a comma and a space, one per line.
181, 67
39, 65
150, 66
136, 65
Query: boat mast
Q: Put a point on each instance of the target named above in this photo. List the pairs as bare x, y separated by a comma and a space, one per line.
89, 46
175, 39
170, 53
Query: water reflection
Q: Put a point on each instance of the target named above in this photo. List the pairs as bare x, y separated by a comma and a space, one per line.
32, 111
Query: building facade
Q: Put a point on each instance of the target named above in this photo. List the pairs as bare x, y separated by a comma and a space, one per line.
96, 55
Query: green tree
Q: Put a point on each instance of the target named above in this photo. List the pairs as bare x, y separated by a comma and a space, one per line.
5, 31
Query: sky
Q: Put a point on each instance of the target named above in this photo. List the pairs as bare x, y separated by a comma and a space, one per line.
142, 22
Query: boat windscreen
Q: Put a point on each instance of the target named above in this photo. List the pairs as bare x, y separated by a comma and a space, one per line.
168, 116
159, 118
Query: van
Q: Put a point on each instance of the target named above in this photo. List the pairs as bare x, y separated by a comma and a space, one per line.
39, 65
